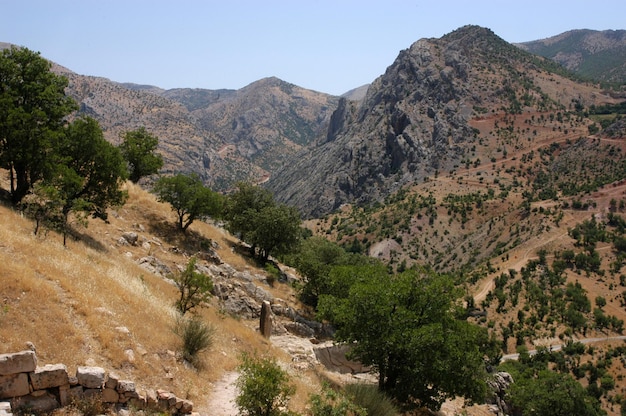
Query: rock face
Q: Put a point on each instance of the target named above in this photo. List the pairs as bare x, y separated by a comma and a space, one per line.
414, 120
222, 135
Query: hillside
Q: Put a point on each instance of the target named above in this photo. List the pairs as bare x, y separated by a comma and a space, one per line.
102, 301
224, 136
592, 54
423, 117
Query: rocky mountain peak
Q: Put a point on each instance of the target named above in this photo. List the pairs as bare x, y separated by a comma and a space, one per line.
414, 120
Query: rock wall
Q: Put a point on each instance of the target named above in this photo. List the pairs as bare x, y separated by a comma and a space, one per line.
26, 386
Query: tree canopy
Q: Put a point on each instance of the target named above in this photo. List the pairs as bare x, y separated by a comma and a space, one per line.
87, 176
405, 327
252, 213
33, 107
189, 198
139, 149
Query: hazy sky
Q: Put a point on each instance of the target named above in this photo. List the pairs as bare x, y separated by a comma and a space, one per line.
329, 46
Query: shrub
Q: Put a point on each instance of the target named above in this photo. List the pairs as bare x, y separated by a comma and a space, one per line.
264, 388
334, 403
374, 401
196, 336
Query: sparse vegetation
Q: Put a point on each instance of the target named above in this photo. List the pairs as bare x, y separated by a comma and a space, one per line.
196, 337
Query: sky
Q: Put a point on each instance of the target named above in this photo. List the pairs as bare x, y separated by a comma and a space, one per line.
330, 46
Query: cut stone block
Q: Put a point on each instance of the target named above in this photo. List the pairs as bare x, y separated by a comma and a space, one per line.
19, 362
14, 385
48, 376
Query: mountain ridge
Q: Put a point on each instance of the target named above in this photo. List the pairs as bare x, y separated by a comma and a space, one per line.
414, 119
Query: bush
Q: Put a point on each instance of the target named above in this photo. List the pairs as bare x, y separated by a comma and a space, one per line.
196, 336
264, 388
334, 403
374, 401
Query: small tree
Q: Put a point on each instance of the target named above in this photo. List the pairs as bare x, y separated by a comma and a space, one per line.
87, 176
139, 150
194, 288
264, 388
189, 198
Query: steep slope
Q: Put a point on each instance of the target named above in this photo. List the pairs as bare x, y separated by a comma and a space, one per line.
265, 122
598, 55
223, 135
415, 119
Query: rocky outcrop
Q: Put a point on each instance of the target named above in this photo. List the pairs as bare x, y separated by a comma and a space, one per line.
41, 389
412, 123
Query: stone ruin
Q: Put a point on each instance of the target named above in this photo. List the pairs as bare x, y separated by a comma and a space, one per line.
26, 386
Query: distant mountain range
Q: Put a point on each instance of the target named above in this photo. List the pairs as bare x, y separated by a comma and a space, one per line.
411, 123
595, 55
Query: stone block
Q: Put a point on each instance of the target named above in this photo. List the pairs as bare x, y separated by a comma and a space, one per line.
90, 377
19, 362
111, 381
36, 404
110, 396
75, 393
138, 403
187, 407
64, 395
125, 386
14, 385
48, 376
152, 400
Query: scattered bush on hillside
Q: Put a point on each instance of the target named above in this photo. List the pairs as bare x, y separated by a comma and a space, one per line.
332, 402
194, 288
196, 337
370, 398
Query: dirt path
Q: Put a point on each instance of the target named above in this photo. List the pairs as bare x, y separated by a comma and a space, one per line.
560, 346
222, 400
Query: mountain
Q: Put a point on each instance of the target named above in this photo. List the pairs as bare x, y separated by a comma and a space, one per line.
593, 54
415, 120
223, 135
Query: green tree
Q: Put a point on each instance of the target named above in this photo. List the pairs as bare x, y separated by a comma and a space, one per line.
252, 214
88, 174
242, 205
549, 393
276, 227
139, 149
194, 288
406, 328
33, 107
189, 198
264, 388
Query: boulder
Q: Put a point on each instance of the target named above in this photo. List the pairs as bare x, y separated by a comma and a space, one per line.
131, 237
19, 362
90, 377
14, 385
51, 375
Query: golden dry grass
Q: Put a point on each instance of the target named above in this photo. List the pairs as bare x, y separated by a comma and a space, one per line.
90, 303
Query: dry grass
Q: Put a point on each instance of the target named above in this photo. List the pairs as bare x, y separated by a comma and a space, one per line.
90, 303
